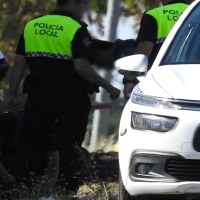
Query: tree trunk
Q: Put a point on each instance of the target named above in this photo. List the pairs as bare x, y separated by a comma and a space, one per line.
101, 117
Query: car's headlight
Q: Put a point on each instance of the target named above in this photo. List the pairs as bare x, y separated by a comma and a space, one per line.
152, 102
152, 122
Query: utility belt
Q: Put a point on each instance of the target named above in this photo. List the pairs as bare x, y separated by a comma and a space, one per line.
31, 81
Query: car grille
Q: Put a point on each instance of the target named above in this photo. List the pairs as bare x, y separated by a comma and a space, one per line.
188, 105
182, 169
196, 141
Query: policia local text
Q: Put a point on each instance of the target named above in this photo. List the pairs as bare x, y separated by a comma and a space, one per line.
47, 29
172, 14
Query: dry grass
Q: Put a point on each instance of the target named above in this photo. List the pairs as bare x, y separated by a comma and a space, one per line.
89, 191
104, 145
98, 191
95, 190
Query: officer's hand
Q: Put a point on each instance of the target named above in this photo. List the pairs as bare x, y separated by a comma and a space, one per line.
128, 88
114, 93
12, 103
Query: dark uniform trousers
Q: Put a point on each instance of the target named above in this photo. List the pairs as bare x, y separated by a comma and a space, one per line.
47, 103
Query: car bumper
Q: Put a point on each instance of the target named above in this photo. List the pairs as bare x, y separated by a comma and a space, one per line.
176, 144
160, 180
151, 167
147, 188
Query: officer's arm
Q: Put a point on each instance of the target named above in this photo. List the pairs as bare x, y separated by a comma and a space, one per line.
145, 42
144, 48
17, 74
147, 35
82, 50
84, 69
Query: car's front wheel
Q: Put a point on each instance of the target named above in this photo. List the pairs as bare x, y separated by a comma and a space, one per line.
123, 194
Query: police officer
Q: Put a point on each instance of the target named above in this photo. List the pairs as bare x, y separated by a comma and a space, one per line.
56, 48
156, 24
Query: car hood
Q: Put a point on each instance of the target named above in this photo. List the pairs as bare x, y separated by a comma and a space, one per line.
179, 81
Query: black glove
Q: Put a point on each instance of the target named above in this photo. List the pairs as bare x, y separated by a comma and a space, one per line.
92, 88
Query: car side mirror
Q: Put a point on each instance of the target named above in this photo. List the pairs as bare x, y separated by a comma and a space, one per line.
132, 66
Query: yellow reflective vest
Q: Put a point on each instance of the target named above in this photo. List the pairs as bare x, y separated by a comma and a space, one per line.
166, 17
50, 36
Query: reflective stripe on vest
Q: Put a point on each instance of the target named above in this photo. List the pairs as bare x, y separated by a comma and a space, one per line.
166, 17
50, 36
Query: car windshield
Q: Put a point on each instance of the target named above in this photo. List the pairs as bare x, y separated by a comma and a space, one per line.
185, 48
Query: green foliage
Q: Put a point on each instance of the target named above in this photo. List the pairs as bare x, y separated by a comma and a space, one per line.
99, 6
128, 8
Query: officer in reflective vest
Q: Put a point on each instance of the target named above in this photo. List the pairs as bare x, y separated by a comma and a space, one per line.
56, 48
156, 24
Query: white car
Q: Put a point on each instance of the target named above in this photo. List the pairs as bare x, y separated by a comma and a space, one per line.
159, 136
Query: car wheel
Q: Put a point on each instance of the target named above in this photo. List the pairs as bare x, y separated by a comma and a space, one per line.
123, 194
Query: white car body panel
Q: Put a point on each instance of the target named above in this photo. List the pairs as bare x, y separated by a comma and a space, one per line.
150, 87
180, 81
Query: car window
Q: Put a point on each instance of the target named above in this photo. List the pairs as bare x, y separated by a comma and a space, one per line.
185, 48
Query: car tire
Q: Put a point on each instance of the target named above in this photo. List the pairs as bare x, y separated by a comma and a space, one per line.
123, 194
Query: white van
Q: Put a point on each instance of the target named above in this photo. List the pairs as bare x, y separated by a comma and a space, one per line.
159, 136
